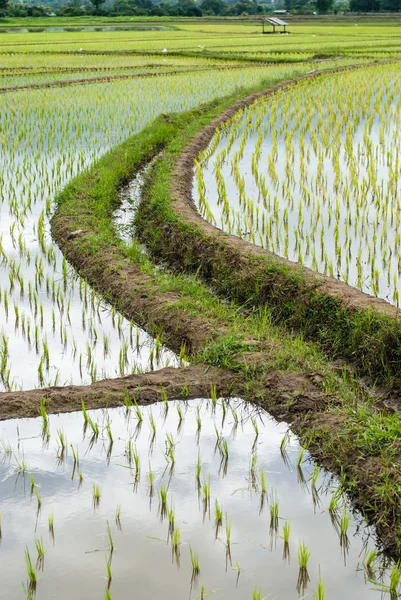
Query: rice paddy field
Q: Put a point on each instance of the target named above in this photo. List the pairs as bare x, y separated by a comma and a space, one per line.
203, 497
320, 191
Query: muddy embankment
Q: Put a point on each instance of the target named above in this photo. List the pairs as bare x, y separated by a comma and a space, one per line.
348, 323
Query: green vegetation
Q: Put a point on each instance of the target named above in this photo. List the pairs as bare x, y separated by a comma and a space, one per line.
223, 305
358, 422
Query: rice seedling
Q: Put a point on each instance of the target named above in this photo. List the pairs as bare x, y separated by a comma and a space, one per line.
252, 472
32, 576
51, 523
262, 482
138, 413
303, 575
21, 466
344, 523
218, 514
107, 594
6, 448
170, 448
151, 478
238, 566
286, 538
96, 494
285, 440
335, 501
45, 419
39, 500
194, 563
109, 537
108, 570
301, 453
206, 495
75, 456
315, 475
109, 433
180, 414
320, 592
228, 531
175, 545
198, 469
95, 429
84, 412
171, 520
369, 560
118, 514
393, 586
40, 549
163, 500
176, 538
224, 453
198, 418
257, 594
213, 395
303, 556
152, 424
32, 480
274, 508
137, 463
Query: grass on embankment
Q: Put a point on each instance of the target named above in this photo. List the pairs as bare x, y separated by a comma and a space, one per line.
291, 378
346, 322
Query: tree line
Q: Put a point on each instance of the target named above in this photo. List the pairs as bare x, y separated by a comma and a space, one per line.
190, 8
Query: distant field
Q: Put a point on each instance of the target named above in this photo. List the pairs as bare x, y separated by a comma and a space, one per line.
244, 39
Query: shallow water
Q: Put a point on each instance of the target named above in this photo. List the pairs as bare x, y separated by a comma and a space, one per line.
142, 561
130, 196
47, 137
312, 174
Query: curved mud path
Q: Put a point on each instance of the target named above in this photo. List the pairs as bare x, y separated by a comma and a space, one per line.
239, 250
188, 382
346, 322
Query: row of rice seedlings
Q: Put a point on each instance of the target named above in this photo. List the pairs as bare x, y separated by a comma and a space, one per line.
168, 511
35, 270
323, 188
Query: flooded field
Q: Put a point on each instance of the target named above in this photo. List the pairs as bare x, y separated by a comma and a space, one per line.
312, 174
121, 499
66, 333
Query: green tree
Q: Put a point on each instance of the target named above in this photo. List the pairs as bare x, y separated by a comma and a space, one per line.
214, 7
364, 5
3, 5
97, 4
391, 5
324, 6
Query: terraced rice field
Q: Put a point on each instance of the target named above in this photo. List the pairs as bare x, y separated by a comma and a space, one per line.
192, 495
312, 174
48, 136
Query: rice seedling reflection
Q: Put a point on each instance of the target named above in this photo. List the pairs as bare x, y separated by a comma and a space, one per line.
286, 539
303, 575
32, 576
177, 500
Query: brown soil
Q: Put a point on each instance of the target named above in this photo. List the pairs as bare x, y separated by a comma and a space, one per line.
134, 293
238, 251
189, 382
